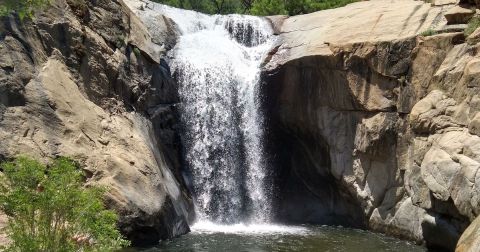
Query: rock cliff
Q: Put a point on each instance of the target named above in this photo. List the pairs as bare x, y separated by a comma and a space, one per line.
85, 79
374, 124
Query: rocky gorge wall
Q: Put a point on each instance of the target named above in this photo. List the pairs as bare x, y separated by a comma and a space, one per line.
85, 79
374, 124
369, 124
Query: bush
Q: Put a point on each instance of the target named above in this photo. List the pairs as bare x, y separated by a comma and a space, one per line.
257, 7
429, 32
50, 210
24, 8
268, 7
473, 24
137, 52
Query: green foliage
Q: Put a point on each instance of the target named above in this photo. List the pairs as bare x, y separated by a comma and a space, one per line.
136, 51
429, 32
208, 6
268, 7
50, 210
257, 7
24, 8
473, 24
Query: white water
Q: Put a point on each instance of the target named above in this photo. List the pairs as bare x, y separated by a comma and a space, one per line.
206, 227
216, 62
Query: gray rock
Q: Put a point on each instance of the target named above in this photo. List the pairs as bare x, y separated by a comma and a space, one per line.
389, 122
72, 86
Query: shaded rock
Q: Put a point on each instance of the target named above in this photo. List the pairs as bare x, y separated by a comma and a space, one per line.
440, 233
470, 2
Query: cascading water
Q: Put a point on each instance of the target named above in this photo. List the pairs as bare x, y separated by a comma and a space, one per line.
217, 65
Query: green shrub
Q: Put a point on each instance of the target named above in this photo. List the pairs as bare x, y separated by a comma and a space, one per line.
268, 7
429, 32
50, 210
136, 51
24, 8
257, 7
473, 24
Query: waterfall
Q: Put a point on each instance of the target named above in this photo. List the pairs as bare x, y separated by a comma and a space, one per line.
216, 62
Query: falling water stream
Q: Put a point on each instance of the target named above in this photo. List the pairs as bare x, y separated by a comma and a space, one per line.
217, 65
217, 62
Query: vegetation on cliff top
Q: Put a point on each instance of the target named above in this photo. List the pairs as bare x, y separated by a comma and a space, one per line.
473, 24
257, 7
50, 210
24, 8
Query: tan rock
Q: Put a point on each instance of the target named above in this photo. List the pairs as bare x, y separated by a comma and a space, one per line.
69, 95
365, 21
438, 170
431, 113
474, 126
277, 23
459, 15
141, 38
3, 224
474, 38
443, 2
105, 151
404, 220
161, 30
470, 239
380, 101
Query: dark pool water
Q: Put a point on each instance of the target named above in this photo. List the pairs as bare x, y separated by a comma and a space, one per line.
260, 238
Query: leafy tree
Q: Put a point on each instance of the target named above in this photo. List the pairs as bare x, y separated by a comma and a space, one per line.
247, 5
50, 210
24, 8
268, 7
298, 6
207, 6
257, 7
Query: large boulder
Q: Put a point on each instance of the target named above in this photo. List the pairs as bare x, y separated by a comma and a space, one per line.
470, 239
459, 15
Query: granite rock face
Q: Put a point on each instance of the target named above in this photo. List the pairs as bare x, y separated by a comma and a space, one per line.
369, 124
387, 120
88, 82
